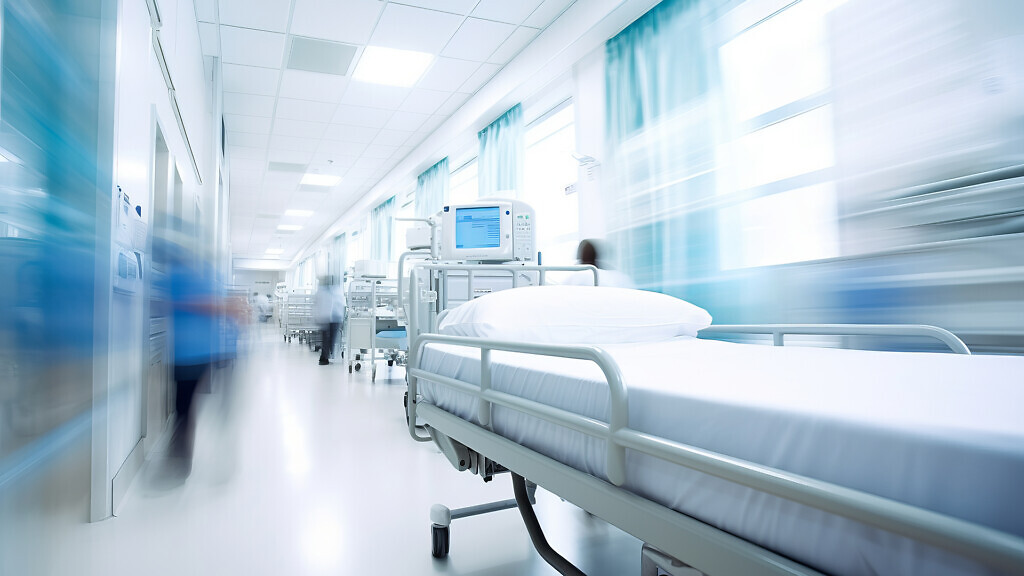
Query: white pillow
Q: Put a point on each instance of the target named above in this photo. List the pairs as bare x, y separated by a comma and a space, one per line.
575, 315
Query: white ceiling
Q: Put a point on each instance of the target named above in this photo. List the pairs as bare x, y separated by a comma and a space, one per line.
332, 124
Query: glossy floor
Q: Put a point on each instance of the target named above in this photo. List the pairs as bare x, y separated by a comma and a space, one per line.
306, 469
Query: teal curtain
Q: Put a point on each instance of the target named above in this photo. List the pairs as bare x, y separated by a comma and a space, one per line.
500, 163
432, 189
381, 221
660, 84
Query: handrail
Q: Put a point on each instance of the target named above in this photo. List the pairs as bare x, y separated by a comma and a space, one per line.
777, 331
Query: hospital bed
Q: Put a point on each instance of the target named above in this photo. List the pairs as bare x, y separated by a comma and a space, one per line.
739, 458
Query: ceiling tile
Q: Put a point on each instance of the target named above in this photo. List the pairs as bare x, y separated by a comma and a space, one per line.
209, 39
349, 133
484, 73
248, 140
515, 43
322, 56
378, 151
248, 104
372, 164
417, 138
250, 79
361, 116
374, 95
290, 156
547, 12
251, 47
407, 121
447, 74
432, 124
259, 14
453, 6
312, 86
327, 160
248, 153
279, 142
409, 28
424, 101
339, 148
299, 128
349, 21
477, 39
305, 110
250, 124
453, 103
505, 11
392, 137
247, 166
206, 10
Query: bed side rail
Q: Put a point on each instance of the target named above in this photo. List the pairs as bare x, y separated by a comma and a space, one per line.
778, 331
986, 545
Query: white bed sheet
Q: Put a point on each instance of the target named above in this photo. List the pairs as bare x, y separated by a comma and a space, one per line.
941, 431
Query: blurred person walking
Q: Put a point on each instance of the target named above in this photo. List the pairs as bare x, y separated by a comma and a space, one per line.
329, 312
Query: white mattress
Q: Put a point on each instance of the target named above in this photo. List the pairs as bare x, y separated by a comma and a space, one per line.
941, 431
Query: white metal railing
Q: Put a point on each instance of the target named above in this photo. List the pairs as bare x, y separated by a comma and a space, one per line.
778, 332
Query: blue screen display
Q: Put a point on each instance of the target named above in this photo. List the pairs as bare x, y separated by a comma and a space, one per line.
477, 227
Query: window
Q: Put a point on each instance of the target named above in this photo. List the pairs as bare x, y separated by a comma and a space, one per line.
463, 185
549, 170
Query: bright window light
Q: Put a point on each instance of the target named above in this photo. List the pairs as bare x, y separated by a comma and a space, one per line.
275, 251
299, 213
320, 179
291, 227
391, 66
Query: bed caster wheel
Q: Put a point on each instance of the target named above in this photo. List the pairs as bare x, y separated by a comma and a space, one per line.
439, 538
358, 366
349, 368
285, 338
391, 362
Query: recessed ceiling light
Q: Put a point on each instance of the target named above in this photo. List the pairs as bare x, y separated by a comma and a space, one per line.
275, 251
391, 66
293, 227
320, 179
299, 213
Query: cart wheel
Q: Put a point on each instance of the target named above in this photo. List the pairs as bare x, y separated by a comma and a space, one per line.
358, 366
439, 538
285, 338
357, 357
349, 368
391, 362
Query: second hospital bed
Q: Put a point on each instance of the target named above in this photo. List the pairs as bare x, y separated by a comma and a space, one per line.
741, 458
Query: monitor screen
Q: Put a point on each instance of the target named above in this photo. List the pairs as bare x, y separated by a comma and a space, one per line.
478, 227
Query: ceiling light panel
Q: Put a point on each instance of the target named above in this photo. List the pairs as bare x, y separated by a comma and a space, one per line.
505, 11
321, 56
250, 79
361, 116
423, 101
477, 39
391, 67
515, 44
209, 39
305, 110
248, 124
348, 133
248, 104
299, 128
447, 74
410, 28
313, 86
258, 14
546, 13
251, 47
274, 251
206, 11
349, 21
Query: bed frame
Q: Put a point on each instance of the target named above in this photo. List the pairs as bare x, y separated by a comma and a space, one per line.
669, 536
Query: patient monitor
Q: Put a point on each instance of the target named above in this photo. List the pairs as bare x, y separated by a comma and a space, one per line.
488, 231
